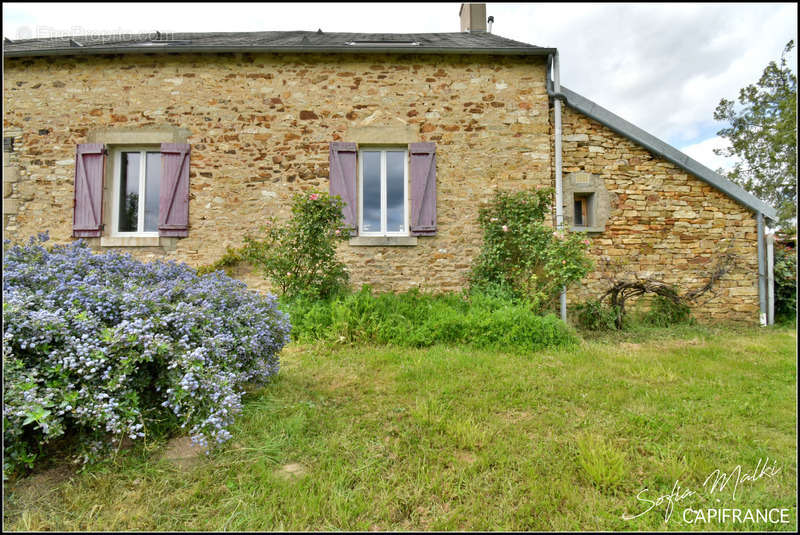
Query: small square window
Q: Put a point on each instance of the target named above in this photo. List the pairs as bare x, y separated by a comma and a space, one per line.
383, 191
135, 191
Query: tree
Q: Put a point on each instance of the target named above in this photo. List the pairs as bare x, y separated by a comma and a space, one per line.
763, 136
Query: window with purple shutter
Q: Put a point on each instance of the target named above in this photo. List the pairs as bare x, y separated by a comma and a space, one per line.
87, 220
173, 203
343, 179
423, 189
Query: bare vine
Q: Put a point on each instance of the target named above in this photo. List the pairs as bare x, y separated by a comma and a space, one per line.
622, 290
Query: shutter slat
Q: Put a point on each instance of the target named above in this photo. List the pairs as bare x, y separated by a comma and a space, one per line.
173, 200
343, 180
87, 217
423, 189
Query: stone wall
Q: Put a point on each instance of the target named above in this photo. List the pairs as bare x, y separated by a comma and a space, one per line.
663, 222
259, 126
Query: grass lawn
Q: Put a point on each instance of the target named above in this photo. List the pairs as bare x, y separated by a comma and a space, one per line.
448, 438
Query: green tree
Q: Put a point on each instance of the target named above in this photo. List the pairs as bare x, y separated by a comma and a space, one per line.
763, 136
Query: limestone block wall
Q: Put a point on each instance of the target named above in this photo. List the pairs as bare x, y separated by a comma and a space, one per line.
259, 126
663, 222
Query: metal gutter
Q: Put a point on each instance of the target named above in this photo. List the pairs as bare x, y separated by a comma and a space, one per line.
166, 49
668, 152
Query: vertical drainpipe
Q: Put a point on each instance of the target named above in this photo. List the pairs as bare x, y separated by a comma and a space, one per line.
762, 277
559, 189
770, 238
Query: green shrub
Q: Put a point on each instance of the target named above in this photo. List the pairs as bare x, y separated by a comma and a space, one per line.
595, 315
416, 319
98, 347
521, 255
785, 273
299, 256
665, 312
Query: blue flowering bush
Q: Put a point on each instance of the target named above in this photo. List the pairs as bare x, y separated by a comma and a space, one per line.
98, 347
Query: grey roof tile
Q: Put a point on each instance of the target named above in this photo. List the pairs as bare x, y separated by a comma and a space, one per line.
299, 41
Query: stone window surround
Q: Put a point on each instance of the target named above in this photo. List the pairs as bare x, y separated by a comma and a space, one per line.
382, 135
120, 137
599, 205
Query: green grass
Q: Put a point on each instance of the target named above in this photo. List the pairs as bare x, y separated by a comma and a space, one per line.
450, 438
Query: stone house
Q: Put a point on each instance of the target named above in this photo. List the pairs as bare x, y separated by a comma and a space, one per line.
216, 131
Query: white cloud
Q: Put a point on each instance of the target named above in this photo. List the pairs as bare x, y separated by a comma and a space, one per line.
663, 67
703, 152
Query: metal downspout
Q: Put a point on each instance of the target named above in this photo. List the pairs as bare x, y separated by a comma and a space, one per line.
556, 93
762, 266
770, 240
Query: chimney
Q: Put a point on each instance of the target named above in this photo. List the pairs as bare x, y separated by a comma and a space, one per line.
473, 17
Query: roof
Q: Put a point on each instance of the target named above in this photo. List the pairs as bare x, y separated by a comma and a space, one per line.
666, 151
300, 41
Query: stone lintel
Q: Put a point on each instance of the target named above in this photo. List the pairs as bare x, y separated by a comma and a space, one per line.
382, 135
144, 135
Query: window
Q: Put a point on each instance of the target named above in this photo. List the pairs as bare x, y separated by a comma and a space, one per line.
582, 210
135, 191
130, 194
389, 191
383, 191
587, 203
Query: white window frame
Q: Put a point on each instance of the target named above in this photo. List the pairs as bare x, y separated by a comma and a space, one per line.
383, 149
115, 190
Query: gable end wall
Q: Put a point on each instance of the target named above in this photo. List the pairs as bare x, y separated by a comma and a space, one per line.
663, 223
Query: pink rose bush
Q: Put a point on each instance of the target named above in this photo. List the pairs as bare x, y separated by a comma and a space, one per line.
534, 261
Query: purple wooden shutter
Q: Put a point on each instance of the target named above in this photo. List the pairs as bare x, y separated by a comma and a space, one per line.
87, 217
423, 189
173, 201
343, 180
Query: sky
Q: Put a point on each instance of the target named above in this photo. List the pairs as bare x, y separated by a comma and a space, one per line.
663, 67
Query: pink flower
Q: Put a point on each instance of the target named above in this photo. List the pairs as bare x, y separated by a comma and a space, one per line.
288, 273
505, 228
586, 242
314, 197
338, 232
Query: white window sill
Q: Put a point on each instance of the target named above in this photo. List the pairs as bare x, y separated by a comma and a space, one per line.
129, 241
385, 241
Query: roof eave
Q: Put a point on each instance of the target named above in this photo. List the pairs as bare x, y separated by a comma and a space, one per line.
88, 50
666, 151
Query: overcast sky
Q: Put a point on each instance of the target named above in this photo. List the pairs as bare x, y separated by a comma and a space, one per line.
664, 67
